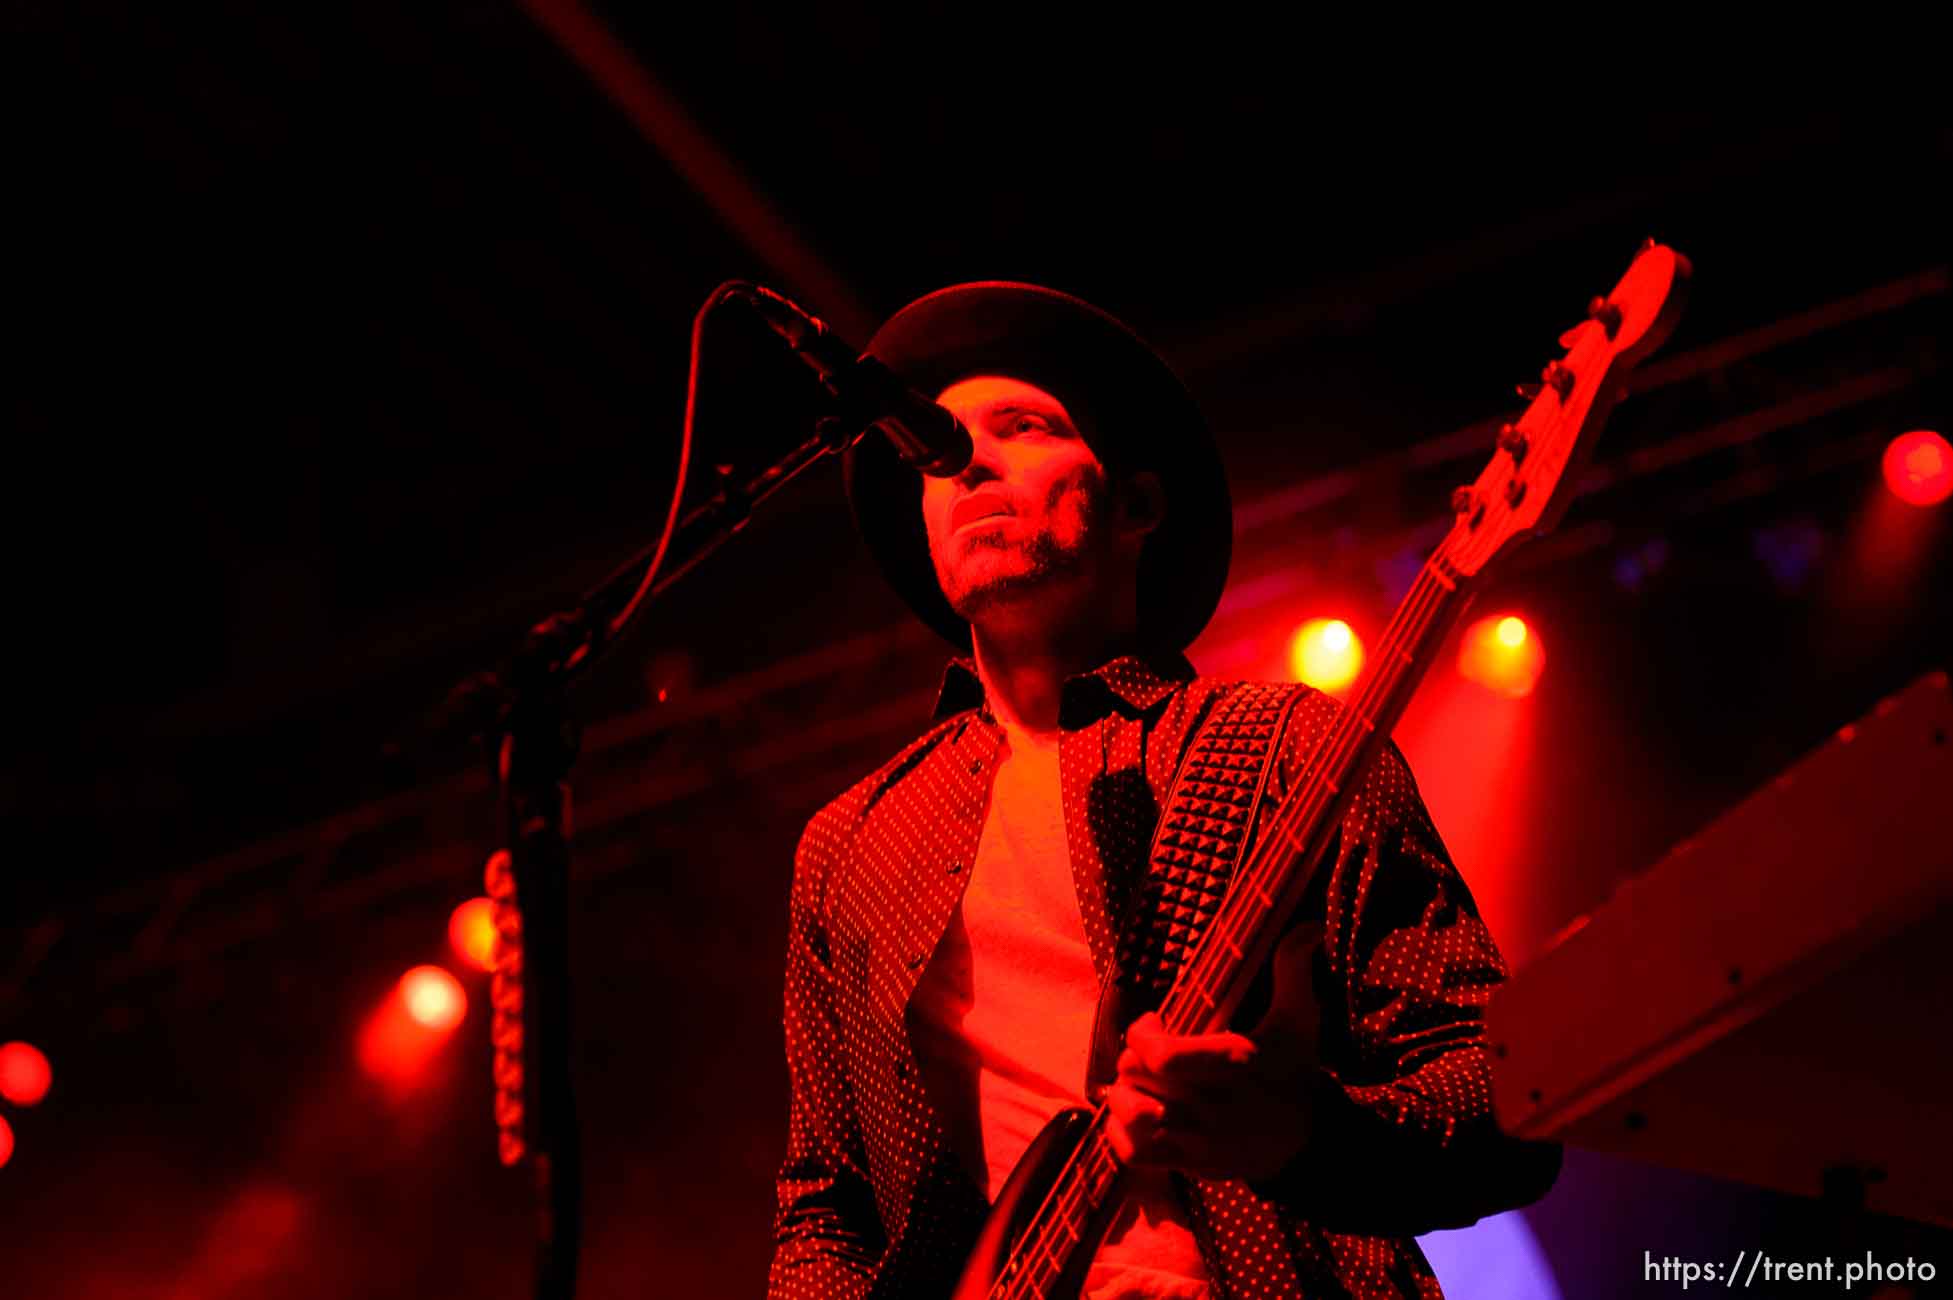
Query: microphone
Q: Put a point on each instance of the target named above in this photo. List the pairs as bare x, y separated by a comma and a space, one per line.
924, 434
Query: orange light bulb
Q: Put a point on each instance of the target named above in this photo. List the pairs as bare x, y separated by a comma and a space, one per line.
471, 930
1326, 654
1502, 654
433, 997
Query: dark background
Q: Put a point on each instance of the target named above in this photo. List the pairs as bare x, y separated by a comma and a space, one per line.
346, 345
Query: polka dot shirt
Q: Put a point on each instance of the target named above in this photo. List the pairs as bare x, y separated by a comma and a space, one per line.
873, 1200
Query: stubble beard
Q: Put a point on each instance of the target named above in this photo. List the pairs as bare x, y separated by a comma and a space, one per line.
1045, 561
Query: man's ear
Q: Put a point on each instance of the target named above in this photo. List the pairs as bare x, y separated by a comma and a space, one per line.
1143, 501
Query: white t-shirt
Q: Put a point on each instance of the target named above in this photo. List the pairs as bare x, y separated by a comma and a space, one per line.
1002, 1019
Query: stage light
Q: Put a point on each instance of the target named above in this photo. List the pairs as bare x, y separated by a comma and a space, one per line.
471, 929
1502, 654
402, 1040
433, 997
1919, 468
24, 1074
1326, 654
6, 1143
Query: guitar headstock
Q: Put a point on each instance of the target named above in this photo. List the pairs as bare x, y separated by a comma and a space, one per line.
1529, 483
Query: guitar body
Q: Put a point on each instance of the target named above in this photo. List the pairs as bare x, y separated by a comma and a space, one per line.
1287, 1029
1030, 1182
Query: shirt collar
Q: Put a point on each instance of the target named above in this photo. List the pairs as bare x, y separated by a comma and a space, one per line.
1136, 681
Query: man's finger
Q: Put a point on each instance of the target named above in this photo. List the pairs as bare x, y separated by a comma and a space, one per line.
1189, 1059
1144, 1130
1138, 1111
1136, 1119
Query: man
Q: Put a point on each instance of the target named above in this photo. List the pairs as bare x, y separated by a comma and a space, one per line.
954, 915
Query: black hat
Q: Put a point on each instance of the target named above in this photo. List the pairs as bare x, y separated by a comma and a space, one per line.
1129, 406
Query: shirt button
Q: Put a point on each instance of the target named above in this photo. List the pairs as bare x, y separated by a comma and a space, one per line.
915, 962
955, 867
976, 765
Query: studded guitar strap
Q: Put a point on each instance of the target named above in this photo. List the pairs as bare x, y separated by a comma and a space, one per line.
1201, 836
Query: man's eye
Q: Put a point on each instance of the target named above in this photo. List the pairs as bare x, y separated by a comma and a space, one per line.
1028, 424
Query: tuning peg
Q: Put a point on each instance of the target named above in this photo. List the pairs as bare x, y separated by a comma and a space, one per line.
1528, 391
1512, 441
1560, 377
1515, 491
1607, 314
1464, 501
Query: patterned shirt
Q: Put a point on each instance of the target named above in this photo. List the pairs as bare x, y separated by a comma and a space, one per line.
873, 1201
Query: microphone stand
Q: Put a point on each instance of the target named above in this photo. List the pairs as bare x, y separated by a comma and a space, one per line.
522, 707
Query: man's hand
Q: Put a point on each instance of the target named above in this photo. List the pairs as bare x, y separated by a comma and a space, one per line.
1215, 1105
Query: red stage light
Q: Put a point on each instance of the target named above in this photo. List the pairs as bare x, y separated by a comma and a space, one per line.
403, 1038
24, 1074
6, 1143
1326, 654
1501, 654
433, 997
1919, 468
471, 929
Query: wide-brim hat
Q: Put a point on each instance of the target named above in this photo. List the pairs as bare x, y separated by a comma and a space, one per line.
1129, 406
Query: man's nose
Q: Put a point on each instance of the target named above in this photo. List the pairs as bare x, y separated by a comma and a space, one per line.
986, 463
